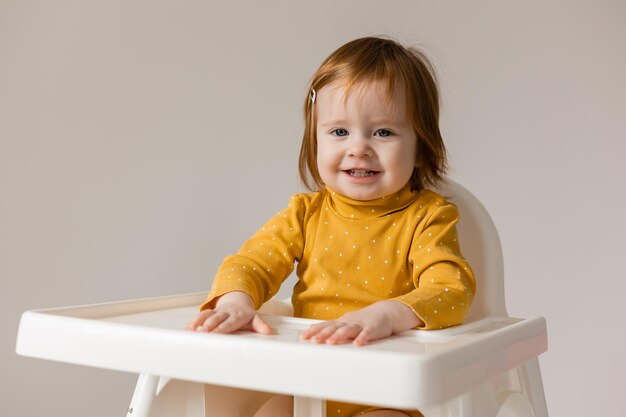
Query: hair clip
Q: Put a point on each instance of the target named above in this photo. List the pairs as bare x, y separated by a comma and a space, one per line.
313, 95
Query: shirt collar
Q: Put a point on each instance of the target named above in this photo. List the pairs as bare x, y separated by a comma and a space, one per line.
371, 209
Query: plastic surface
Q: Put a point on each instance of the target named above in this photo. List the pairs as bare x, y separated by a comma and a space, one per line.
480, 245
485, 368
146, 336
145, 392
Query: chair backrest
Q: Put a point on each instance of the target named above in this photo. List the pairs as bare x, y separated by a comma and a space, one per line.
480, 244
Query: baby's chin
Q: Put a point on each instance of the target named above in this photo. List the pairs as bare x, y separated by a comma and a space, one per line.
363, 194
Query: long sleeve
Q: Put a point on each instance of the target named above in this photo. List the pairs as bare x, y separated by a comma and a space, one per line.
265, 260
444, 282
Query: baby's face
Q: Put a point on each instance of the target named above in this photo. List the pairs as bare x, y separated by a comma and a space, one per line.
365, 143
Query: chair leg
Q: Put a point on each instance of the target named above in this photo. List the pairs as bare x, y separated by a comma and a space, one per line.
461, 406
518, 393
161, 397
144, 394
531, 386
482, 401
308, 407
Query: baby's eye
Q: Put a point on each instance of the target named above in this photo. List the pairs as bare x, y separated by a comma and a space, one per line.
340, 132
383, 133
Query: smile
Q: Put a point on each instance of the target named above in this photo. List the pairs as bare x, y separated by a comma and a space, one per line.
360, 172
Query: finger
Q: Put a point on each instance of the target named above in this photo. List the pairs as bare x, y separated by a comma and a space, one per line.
364, 337
326, 332
258, 325
313, 330
310, 331
213, 321
235, 321
344, 334
198, 320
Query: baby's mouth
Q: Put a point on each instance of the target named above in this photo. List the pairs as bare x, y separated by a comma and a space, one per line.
360, 172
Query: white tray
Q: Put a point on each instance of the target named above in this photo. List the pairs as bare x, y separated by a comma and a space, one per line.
412, 370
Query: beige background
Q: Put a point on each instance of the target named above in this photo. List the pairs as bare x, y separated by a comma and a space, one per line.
141, 141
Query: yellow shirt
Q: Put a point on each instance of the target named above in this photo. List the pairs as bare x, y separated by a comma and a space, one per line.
351, 254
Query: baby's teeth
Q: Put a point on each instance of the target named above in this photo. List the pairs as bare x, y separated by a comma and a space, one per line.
360, 172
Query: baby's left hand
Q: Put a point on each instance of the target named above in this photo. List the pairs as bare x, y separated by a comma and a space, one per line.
374, 322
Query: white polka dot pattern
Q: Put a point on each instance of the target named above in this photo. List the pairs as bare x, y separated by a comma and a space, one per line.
351, 254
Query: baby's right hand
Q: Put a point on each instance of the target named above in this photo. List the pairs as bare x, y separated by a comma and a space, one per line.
233, 311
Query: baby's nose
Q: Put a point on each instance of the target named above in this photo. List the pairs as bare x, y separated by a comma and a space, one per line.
359, 148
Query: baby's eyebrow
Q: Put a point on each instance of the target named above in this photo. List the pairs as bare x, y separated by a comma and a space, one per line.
375, 122
339, 122
385, 122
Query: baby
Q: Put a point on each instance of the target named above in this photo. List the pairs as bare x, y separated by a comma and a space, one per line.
376, 251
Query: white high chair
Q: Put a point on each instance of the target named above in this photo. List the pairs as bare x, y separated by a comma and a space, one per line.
487, 367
